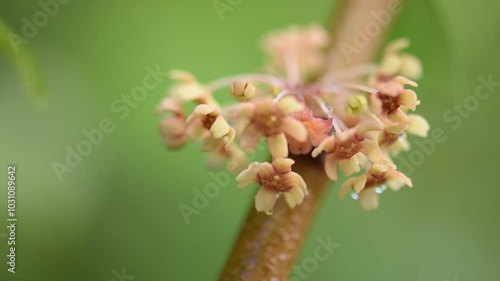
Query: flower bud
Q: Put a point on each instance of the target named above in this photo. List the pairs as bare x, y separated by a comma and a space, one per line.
242, 91
356, 105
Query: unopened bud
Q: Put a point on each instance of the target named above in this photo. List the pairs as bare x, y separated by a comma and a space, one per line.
356, 105
242, 91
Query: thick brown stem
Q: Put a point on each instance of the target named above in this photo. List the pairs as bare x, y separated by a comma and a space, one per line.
269, 245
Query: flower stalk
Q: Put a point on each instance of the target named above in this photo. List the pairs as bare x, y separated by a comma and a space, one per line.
268, 246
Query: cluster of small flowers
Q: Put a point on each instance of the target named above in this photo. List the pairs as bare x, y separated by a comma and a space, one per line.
356, 119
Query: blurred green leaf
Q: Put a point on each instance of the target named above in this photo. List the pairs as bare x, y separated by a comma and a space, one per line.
13, 46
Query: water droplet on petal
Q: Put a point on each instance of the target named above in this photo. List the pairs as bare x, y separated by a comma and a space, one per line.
381, 189
278, 195
354, 195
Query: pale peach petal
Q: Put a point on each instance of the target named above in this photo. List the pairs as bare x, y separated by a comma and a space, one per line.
265, 107
170, 105
355, 184
283, 165
345, 189
220, 127
411, 67
400, 177
349, 166
265, 200
326, 145
383, 165
295, 180
418, 126
278, 146
173, 132
359, 183
405, 81
375, 104
398, 146
290, 104
368, 198
294, 196
371, 150
250, 138
397, 129
230, 137
331, 167
189, 91
397, 45
367, 126
237, 159
196, 131
200, 111
249, 175
390, 65
346, 135
210, 144
392, 88
409, 99
294, 128
399, 116
182, 76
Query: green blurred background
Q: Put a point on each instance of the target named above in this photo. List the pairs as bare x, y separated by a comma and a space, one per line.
120, 207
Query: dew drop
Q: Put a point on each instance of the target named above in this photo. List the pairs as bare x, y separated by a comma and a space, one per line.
354, 195
270, 213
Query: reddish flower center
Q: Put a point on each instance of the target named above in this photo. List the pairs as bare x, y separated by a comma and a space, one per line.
268, 123
273, 182
389, 103
209, 120
347, 148
388, 139
375, 180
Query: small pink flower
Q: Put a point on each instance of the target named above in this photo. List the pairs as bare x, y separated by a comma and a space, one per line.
188, 88
394, 143
344, 148
272, 120
382, 172
317, 129
274, 179
206, 123
172, 127
301, 45
392, 101
396, 63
